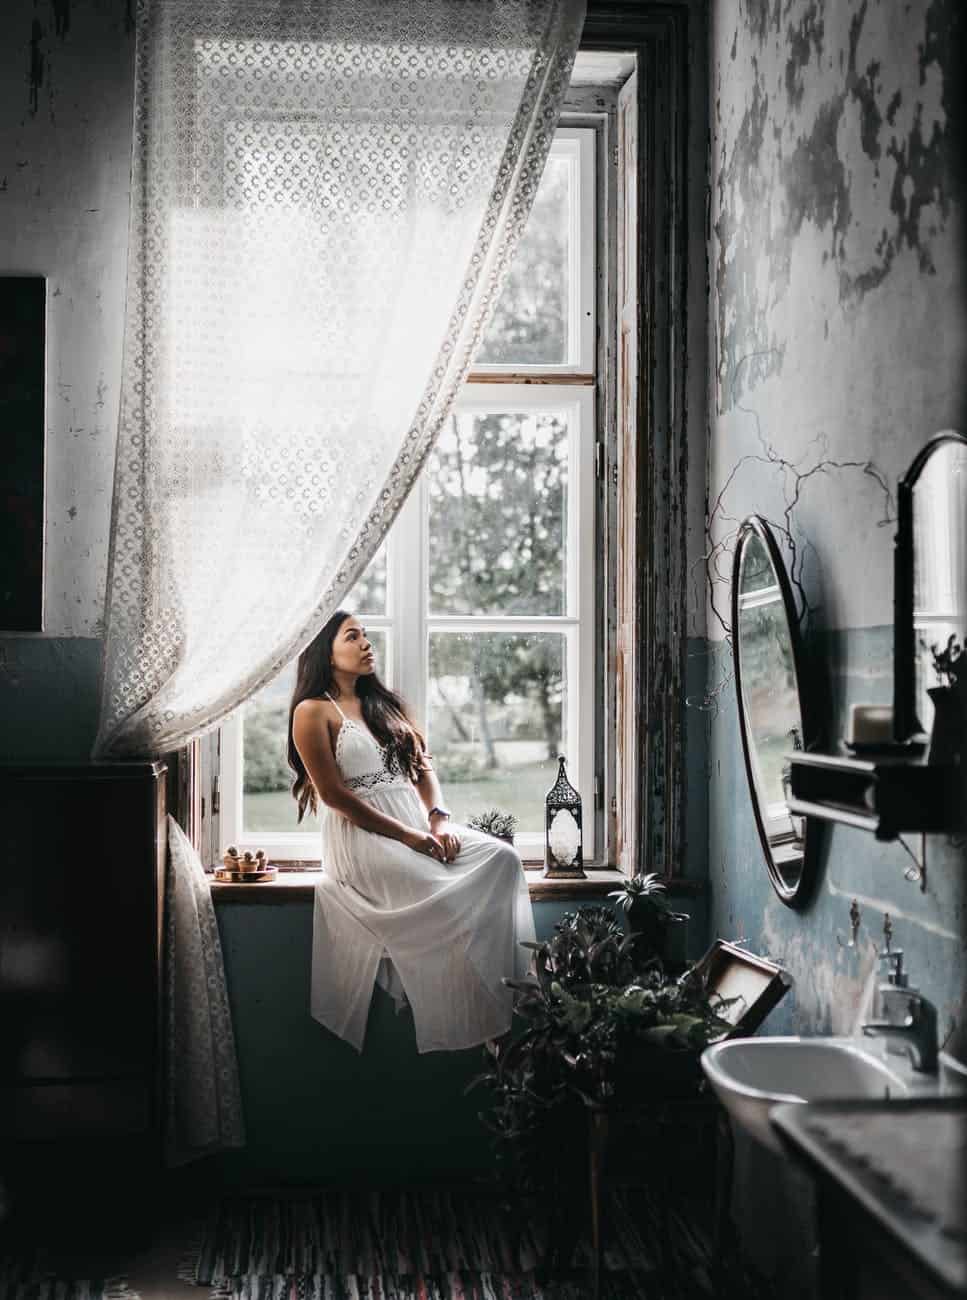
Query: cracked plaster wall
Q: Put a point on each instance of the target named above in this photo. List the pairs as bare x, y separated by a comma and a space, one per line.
838, 331
66, 88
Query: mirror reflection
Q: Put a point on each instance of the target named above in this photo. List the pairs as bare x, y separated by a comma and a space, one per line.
769, 700
939, 501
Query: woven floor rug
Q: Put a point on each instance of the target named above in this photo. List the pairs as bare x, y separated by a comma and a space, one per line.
30, 1278
419, 1245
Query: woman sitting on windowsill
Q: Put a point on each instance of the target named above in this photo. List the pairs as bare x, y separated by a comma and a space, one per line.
434, 913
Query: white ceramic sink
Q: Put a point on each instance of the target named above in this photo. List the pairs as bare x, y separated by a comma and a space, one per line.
751, 1075
953, 1074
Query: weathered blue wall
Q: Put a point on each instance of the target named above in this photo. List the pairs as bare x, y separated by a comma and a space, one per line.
838, 347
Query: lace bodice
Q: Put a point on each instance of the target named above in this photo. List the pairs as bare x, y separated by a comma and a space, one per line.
362, 760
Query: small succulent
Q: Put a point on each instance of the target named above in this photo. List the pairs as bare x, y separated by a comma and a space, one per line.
494, 822
248, 856
649, 888
950, 663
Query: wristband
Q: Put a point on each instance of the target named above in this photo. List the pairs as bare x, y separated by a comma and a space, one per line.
438, 812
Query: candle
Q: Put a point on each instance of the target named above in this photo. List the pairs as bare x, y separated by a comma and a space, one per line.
870, 724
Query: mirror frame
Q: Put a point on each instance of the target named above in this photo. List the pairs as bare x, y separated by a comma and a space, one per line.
755, 525
905, 722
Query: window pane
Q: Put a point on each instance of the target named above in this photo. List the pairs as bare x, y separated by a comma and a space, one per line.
530, 323
498, 501
267, 803
496, 720
369, 594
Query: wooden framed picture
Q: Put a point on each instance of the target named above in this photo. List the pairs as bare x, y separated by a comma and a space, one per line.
23, 349
755, 983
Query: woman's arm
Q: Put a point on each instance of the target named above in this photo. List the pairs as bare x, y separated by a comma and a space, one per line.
310, 731
428, 788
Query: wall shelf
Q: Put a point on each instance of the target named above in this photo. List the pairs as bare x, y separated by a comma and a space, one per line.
887, 795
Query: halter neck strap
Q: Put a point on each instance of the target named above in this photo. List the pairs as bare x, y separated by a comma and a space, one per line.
332, 701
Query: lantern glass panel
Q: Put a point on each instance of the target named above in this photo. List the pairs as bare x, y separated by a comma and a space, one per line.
563, 837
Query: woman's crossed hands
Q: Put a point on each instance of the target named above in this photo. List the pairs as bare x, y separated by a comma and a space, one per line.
443, 847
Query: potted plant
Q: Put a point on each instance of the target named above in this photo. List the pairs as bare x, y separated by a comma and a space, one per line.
949, 702
501, 825
600, 1022
644, 900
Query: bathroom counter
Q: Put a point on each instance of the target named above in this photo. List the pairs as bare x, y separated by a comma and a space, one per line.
892, 1179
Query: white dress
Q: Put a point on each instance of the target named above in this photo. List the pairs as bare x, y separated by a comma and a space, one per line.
438, 935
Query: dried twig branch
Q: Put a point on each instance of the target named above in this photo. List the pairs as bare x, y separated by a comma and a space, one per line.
716, 562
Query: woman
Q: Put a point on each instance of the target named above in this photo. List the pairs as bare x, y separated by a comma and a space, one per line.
435, 913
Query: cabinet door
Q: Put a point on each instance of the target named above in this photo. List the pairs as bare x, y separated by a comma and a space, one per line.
80, 924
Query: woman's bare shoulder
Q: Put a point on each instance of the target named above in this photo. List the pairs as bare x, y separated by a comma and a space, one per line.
313, 711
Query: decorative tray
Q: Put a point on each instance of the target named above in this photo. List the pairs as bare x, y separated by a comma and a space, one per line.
230, 876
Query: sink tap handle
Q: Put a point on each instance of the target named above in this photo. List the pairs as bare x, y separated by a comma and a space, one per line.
892, 960
887, 932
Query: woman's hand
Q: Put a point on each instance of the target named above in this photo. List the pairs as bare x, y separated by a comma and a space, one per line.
425, 842
451, 845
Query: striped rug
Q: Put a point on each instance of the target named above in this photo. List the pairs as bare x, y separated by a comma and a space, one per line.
29, 1279
421, 1245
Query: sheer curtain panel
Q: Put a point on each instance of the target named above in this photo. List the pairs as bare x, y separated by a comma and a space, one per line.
325, 195
203, 1099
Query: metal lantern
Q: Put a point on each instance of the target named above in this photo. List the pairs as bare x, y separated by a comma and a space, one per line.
563, 856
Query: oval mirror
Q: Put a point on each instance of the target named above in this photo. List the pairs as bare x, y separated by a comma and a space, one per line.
767, 652
930, 575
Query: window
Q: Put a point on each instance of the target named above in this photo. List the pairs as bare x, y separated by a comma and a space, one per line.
481, 602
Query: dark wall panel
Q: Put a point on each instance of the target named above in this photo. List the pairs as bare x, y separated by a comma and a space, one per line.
22, 369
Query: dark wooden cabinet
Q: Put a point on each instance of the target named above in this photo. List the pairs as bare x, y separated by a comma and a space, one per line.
82, 874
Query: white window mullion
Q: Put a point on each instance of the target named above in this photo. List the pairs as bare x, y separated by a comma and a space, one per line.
409, 602
582, 277
494, 623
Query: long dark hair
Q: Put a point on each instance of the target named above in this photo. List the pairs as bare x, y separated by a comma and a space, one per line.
383, 713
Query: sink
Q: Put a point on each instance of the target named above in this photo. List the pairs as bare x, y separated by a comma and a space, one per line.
953, 1074
751, 1075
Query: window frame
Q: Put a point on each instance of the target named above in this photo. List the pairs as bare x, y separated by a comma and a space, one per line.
577, 623
570, 386
576, 144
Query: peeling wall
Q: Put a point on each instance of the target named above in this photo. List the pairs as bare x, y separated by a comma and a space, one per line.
66, 87
838, 333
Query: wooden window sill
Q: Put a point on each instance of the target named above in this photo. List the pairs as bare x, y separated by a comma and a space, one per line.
299, 886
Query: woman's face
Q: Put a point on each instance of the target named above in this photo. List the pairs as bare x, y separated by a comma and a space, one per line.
351, 650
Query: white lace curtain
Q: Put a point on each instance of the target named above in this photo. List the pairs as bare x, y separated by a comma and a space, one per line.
325, 194
203, 1097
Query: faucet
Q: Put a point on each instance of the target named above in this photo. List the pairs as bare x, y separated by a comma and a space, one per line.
910, 1022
